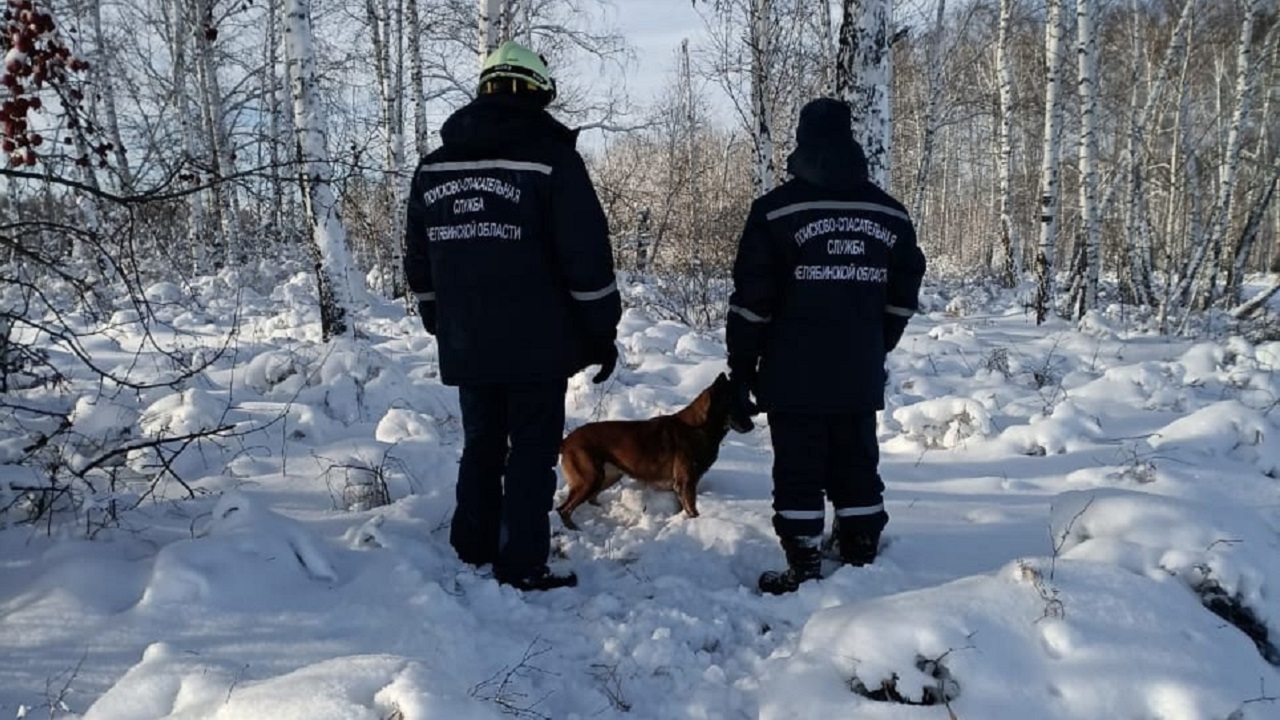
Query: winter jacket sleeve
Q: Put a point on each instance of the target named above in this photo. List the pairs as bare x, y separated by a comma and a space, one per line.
580, 235
755, 293
906, 272
417, 262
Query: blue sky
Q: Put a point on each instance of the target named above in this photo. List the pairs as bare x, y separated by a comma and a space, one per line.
654, 28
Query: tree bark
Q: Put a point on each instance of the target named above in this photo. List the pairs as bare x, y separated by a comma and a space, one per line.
491, 13
102, 69
416, 77
1011, 252
933, 62
1044, 299
1087, 57
228, 206
336, 278
864, 74
761, 32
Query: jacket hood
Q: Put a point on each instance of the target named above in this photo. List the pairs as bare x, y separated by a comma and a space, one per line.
826, 154
497, 122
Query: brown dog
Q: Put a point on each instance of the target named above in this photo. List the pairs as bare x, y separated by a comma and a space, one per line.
670, 452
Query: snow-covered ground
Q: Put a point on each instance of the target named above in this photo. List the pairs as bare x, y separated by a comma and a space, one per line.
1067, 503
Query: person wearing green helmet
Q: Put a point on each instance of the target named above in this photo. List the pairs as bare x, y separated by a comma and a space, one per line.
508, 254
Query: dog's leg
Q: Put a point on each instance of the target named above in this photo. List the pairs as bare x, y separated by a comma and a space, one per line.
610, 475
686, 489
582, 479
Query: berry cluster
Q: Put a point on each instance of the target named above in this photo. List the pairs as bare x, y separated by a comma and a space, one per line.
36, 55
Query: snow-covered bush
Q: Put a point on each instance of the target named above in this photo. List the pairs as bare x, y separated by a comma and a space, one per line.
945, 422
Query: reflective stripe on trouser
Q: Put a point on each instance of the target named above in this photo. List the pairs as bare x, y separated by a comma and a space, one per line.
506, 478
826, 457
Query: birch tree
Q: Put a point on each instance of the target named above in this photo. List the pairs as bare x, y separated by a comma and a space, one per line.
336, 277
416, 77
1087, 58
386, 29
933, 64
491, 14
761, 32
864, 75
827, 40
1049, 164
103, 75
205, 31
1009, 262
272, 91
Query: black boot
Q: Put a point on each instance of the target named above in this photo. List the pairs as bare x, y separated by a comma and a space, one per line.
857, 547
804, 562
540, 579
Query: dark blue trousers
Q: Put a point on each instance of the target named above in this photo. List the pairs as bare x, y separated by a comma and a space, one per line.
507, 478
820, 457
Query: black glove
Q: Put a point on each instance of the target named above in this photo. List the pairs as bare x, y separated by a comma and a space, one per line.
606, 356
427, 311
894, 327
743, 408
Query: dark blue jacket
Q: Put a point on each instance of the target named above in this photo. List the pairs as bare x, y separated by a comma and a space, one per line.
507, 248
826, 276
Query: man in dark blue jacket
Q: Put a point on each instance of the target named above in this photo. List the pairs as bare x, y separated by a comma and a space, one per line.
826, 276
507, 251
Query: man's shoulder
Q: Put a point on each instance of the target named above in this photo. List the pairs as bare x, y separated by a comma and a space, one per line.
787, 193
876, 194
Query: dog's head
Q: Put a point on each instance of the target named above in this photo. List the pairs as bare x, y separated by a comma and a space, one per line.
711, 408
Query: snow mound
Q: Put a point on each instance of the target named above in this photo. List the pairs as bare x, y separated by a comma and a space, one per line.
400, 424
1020, 643
182, 413
1224, 554
249, 557
172, 685
1224, 429
944, 422
1067, 428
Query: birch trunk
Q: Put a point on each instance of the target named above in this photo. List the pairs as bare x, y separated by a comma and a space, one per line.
827, 36
1188, 187
101, 69
337, 281
1087, 57
1049, 164
933, 61
385, 28
1011, 261
1261, 195
1139, 224
864, 74
491, 12
228, 206
274, 109
420, 128
761, 33
1261, 201
197, 238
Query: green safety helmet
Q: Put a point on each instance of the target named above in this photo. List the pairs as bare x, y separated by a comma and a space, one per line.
519, 63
